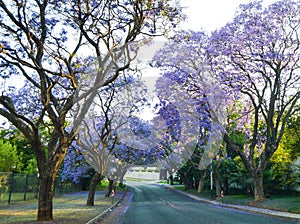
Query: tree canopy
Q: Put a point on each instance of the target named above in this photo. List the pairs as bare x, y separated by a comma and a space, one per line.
245, 77
63, 51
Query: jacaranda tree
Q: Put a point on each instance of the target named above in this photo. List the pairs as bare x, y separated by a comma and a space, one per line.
110, 110
186, 77
257, 59
48, 46
252, 64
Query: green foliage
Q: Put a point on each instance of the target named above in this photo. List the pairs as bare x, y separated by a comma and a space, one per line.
24, 150
31, 167
279, 175
282, 173
237, 138
296, 175
240, 176
291, 138
9, 159
103, 185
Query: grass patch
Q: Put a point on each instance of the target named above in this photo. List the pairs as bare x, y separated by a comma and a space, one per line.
237, 199
15, 197
103, 186
69, 208
167, 182
180, 187
134, 179
282, 203
275, 202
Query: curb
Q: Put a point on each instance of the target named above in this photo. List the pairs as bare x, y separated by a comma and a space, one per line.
98, 217
241, 207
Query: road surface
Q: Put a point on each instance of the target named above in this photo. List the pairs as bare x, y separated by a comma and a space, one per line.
154, 204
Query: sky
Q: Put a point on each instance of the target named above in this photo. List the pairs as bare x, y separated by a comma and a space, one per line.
210, 15
205, 15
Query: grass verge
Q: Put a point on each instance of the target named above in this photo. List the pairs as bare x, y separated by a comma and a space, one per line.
284, 203
69, 208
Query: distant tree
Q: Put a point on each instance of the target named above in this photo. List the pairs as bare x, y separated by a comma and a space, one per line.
100, 133
227, 169
115, 172
74, 167
187, 81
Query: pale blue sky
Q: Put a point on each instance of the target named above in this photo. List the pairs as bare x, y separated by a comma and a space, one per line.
211, 14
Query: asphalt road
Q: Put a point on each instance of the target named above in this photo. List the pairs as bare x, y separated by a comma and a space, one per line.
155, 204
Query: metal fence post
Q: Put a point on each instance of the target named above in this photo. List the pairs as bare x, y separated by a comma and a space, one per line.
1, 187
37, 186
11, 184
60, 187
25, 187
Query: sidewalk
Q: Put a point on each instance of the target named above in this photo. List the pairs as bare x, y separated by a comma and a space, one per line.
240, 207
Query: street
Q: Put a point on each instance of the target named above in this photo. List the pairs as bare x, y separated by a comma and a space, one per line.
155, 204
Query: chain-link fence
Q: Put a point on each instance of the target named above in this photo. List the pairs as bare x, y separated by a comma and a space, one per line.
21, 187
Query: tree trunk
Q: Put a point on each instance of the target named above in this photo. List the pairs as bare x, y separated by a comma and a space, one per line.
226, 185
91, 196
256, 173
218, 187
217, 180
249, 191
188, 179
124, 171
121, 181
171, 179
258, 186
47, 172
202, 181
170, 176
110, 188
45, 204
190, 182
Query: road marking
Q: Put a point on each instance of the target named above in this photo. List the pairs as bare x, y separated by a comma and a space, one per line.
169, 203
